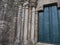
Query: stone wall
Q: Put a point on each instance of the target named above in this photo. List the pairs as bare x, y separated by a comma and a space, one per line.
8, 14
19, 21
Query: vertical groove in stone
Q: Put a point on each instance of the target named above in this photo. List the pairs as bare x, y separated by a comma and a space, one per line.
29, 25
25, 25
32, 25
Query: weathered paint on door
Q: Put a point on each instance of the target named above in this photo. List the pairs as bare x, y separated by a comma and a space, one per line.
49, 25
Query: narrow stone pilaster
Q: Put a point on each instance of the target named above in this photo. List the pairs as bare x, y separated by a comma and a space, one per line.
36, 27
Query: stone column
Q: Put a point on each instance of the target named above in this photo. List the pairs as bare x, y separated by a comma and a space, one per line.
18, 33
32, 25
25, 24
22, 25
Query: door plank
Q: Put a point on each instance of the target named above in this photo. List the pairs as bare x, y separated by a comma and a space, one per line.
40, 27
54, 24
46, 25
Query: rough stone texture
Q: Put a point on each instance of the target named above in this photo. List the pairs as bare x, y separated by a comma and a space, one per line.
8, 12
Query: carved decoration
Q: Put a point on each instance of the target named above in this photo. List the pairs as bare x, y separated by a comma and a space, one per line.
41, 3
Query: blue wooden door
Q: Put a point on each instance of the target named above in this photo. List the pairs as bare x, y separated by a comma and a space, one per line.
49, 25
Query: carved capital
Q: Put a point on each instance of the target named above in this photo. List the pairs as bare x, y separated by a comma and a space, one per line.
32, 4
41, 3
25, 3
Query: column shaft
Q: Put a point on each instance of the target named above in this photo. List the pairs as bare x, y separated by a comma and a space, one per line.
18, 26
32, 26
25, 25
22, 25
